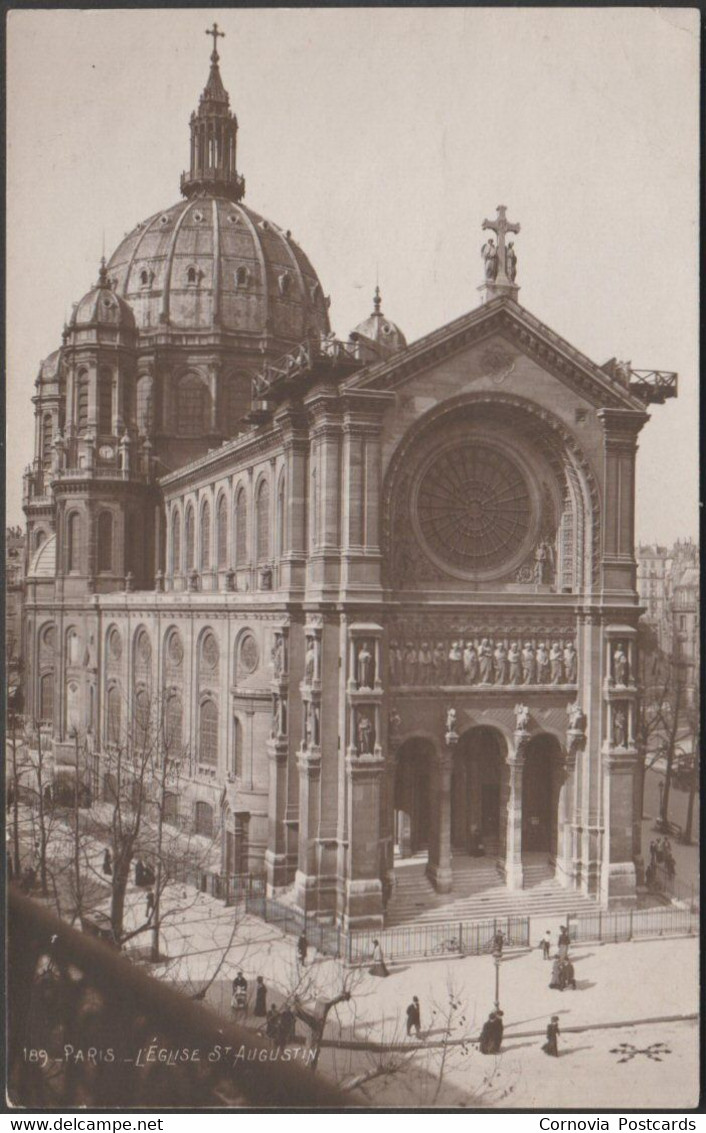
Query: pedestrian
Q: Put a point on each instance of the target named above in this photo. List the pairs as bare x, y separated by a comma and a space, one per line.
659, 852
497, 1031
272, 1023
379, 967
149, 907
564, 941
260, 998
653, 853
489, 1034
550, 1046
107, 863
498, 941
546, 944
139, 872
568, 975
302, 948
555, 981
239, 993
414, 1018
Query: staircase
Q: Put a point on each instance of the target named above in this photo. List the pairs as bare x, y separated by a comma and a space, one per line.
479, 893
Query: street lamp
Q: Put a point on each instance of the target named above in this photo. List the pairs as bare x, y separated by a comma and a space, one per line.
497, 960
661, 797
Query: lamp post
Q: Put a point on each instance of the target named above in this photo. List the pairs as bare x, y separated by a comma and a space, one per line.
497, 960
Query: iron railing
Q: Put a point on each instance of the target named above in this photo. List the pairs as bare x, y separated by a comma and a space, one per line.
324, 350
611, 926
653, 386
151, 1046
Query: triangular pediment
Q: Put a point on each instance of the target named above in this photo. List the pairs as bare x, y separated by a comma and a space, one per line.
507, 319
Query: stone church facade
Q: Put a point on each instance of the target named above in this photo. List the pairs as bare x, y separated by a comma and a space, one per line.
387, 592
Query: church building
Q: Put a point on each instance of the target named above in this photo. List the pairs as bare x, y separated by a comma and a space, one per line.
386, 591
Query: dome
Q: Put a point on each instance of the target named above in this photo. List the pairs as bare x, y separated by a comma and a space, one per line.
380, 335
50, 368
101, 307
210, 262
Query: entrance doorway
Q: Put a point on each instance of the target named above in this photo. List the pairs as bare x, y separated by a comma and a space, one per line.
479, 774
412, 801
541, 783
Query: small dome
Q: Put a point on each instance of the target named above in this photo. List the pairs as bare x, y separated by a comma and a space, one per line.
50, 368
102, 307
210, 262
380, 335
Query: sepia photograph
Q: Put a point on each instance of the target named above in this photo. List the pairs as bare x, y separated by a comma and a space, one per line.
352, 568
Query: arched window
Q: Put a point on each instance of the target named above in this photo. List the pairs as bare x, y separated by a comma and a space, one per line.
190, 540
192, 407
222, 534
205, 536
176, 543
113, 715
237, 747
208, 733
47, 441
46, 697
204, 819
241, 529
142, 719
39, 537
144, 404
173, 727
191, 275
73, 535
105, 541
280, 517
82, 404
263, 522
105, 402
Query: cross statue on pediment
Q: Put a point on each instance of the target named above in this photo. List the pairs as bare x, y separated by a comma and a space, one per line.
501, 259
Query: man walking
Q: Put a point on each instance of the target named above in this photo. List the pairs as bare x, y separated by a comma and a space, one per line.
414, 1019
149, 907
550, 1046
239, 993
546, 944
302, 948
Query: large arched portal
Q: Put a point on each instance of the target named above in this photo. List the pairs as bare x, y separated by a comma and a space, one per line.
478, 794
412, 796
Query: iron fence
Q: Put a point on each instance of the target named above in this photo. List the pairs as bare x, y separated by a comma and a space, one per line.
616, 925
436, 939
153, 1047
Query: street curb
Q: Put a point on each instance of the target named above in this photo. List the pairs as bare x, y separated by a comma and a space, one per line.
469, 1040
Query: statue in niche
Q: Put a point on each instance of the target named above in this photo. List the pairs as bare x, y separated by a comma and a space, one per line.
470, 663
500, 659
451, 722
542, 664
489, 252
410, 664
394, 722
528, 664
570, 663
365, 666
425, 664
576, 717
274, 730
455, 664
366, 735
620, 665
514, 661
310, 661
439, 663
555, 666
522, 717
542, 563
315, 724
620, 728
485, 658
511, 261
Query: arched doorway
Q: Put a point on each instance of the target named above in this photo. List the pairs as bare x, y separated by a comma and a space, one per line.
412, 796
478, 794
541, 785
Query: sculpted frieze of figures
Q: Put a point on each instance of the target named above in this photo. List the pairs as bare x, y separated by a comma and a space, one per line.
509, 658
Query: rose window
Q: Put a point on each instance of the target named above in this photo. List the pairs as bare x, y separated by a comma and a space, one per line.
473, 508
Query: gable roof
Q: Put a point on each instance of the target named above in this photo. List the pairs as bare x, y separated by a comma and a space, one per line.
505, 317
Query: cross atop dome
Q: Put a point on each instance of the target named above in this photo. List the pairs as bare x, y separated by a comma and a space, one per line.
215, 32
499, 260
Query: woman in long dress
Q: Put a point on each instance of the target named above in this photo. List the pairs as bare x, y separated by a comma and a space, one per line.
379, 967
550, 1046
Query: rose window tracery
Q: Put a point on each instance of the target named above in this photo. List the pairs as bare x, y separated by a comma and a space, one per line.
473, 507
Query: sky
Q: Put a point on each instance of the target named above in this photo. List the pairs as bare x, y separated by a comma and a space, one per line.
382, 138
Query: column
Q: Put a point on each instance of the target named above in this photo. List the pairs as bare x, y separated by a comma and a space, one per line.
439, 868
306, 877
514, 878
276, 853
364, 895
621, 428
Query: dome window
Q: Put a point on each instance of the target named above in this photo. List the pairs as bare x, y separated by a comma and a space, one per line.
193, 276
242, 276
264, 225
164, 219
146, 277
386, 328
233, 218
284, 282
198, 217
